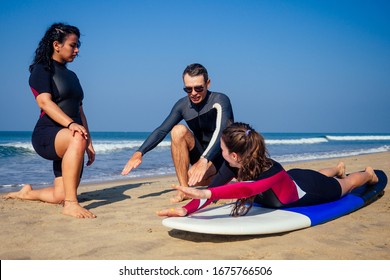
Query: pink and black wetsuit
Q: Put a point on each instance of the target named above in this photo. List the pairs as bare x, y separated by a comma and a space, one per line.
277, 188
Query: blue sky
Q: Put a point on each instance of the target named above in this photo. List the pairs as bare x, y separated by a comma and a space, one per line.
288, 66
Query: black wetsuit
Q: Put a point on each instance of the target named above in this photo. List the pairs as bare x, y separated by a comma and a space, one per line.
66, 92
206, 120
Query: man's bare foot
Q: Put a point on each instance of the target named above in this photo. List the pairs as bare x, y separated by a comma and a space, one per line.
172, 212
74, 209
180, 196
374, 179
341, 167
22, 194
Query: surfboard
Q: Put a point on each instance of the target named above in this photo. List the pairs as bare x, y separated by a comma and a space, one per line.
262, 220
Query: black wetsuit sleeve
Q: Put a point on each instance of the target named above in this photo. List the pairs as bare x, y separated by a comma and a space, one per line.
224, 117
40, 80
158, 135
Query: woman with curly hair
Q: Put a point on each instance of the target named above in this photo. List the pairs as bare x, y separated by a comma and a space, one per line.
263, 180
61, 133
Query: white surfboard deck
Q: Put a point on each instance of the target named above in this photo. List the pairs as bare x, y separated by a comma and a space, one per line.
258, 221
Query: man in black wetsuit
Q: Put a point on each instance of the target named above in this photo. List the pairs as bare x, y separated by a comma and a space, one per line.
206, 113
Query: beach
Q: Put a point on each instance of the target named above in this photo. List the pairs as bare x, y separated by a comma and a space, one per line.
127, 228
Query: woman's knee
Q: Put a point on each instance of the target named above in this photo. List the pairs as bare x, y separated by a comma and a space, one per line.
65, 140
79, 140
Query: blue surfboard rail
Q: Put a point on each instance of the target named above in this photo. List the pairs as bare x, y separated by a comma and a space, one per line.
371, 193
355, 200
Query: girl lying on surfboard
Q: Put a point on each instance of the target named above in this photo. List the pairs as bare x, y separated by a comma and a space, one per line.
262, 180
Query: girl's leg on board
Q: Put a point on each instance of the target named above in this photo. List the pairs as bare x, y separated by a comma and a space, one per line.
357, 179
337, 171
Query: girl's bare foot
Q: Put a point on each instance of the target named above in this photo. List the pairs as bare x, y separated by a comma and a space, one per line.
74, 209
341, 167
172, 212
22, 194
374, 179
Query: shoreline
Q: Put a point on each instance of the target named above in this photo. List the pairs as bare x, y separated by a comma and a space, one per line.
15, 182
127, 228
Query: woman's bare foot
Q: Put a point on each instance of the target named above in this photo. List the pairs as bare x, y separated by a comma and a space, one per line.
74, 209
374, 179
341, 167
172, 212
22, 194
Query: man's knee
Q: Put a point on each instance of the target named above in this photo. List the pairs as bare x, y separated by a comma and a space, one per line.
178, 132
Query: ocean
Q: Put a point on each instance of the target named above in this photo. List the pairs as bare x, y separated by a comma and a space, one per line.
20, 164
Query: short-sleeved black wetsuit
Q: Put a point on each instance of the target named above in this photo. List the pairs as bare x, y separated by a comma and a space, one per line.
66, 92
206, 120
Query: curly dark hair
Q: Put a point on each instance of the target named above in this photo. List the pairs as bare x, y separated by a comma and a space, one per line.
249, 145
56, 32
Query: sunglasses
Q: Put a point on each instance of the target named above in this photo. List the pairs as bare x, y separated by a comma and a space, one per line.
196, 88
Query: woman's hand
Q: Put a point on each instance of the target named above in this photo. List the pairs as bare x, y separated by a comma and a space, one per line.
75, 127
91, 154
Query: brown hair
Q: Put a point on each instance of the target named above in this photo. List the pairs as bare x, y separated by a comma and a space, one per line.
249, 145
196, 69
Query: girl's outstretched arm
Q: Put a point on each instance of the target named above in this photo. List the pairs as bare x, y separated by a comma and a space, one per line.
194, 205
194, 193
